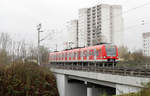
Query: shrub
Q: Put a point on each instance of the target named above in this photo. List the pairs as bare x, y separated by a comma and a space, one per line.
26, 79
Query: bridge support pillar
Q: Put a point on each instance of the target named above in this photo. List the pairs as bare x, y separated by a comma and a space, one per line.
62, 84
89, 91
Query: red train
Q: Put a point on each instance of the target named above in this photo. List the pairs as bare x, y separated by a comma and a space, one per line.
105, 53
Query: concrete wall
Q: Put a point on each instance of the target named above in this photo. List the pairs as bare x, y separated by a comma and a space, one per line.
123, 84
122, 89
69, 89
75, 89
116, 79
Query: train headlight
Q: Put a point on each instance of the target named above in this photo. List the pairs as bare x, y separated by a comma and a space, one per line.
104, 56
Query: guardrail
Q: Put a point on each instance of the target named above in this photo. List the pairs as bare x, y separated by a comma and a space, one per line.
124, 71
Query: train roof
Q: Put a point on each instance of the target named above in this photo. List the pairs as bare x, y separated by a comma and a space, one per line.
81, 48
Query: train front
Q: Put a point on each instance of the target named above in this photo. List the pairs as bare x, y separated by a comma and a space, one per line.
111, 53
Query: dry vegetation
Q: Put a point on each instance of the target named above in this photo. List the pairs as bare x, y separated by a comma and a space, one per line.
132, 59
19, 73
26, 79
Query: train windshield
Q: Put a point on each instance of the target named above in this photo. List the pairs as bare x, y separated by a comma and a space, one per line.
110, 50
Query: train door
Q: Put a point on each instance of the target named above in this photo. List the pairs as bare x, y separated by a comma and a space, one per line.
56, 56
103, 52
69, 55
79, 55
98, 54
65, 56
62, 56
91, 54
84, 54
73, 52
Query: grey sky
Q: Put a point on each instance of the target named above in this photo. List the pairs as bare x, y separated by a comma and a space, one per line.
20, 17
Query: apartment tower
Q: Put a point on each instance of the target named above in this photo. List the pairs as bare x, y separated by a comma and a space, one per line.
146, 44
100, 23
72, 29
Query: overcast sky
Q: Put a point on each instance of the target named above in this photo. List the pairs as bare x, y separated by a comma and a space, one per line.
20, 17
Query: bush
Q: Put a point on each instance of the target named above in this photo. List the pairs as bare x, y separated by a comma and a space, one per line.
26, 79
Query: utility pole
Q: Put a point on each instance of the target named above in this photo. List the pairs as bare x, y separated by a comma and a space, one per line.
56, 47
39, 26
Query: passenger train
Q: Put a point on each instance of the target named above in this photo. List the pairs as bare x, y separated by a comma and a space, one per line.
104, 53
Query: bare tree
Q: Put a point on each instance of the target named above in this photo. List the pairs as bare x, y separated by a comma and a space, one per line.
44, 54
124, 53
5, 41
5, 44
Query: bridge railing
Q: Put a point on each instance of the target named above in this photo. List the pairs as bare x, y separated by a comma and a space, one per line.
125, 71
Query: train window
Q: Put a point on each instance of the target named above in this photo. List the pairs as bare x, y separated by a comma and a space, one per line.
54, 57
79, 53
85, 53
62, 56
88, 53
91, 52
97, 52
76, 54
110, 50
65, 55
72, 55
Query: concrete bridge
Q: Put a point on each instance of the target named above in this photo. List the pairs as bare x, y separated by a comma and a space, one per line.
85, 83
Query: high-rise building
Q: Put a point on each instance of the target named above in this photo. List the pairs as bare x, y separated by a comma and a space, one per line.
146, 44
101, 23
72, 29
82, 26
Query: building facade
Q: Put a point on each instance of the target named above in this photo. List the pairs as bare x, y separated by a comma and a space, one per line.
72, 29
146, 44
100, 23
82, 32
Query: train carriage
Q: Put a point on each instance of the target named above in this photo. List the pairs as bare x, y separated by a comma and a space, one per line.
105, 53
